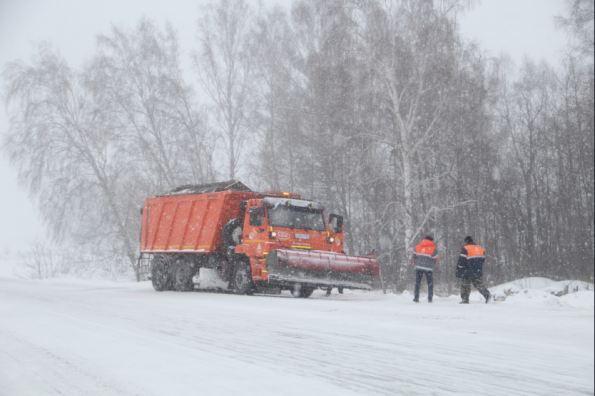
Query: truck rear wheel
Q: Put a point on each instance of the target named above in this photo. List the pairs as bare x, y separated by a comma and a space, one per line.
242, 279
300, 291
182, 274
160, 276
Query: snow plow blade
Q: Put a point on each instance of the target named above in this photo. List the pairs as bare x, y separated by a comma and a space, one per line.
321, 269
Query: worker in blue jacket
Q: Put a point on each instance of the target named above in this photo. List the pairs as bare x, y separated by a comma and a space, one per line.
470, 269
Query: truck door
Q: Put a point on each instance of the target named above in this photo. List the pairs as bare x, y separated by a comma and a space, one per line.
335, 223
254, 229
335, 229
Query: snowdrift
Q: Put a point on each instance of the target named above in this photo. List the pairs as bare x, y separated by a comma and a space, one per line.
543, 291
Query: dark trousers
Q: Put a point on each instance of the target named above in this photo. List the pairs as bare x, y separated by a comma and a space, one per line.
478, 283
419, 274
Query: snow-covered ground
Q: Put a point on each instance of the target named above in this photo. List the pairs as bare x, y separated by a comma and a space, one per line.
68, 337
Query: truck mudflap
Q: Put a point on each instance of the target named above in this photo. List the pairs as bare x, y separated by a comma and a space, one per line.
321, 269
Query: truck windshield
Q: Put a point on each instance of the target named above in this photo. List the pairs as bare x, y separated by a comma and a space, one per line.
295, 217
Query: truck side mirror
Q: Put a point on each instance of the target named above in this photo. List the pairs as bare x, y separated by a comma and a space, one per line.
336, 223
243, 206
256, 216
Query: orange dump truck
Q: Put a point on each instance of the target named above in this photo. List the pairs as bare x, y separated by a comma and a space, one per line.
254, 242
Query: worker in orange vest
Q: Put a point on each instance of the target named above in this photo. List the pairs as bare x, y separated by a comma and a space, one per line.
424, 259
470, 270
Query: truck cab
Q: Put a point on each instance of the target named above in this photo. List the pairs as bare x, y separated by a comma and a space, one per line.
273, 223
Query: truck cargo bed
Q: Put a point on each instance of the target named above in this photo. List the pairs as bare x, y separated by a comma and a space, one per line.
188, 223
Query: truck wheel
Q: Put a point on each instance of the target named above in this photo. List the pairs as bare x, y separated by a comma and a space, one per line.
160, 276
182, 274
300, 291
232, 233
242, 279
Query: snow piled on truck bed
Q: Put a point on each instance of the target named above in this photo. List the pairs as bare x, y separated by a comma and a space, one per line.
76, 337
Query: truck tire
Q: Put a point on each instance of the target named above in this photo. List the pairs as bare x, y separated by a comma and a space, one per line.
232, 233
182, 274
300, 291
160, 276
307, 291
242, 278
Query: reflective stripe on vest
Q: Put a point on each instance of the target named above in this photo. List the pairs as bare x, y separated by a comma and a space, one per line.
425, 255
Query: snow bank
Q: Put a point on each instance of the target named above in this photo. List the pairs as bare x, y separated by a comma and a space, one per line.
519, 285
524, 293
15, 267
531, 297
8, 266
581, 299
564, 287
543, 292
536, 283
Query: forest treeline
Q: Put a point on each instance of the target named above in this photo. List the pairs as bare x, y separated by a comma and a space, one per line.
379, 109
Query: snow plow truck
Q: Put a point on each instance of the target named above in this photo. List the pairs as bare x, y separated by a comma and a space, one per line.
254, 242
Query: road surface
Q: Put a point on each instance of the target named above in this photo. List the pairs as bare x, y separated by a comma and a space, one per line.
77, 338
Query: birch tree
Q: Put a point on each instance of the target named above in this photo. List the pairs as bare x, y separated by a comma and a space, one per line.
137, 73
578, 22
92, 144
414, 51
64, 148
226, 70
273, 116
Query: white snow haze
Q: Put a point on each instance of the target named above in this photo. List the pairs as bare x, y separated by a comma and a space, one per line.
91, 322
517, 27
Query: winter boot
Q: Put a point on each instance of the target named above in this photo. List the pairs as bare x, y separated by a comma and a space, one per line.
415, 300
488, 298
464, 302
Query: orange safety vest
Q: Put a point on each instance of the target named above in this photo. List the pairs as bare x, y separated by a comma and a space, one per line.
423, 258
426, 249
474, 251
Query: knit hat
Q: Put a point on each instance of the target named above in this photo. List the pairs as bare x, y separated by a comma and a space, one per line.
429, 238
468, 239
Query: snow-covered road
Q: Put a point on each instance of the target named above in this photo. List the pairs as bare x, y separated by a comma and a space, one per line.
77, 338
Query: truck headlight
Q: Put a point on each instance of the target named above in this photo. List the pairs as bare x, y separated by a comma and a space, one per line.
272, 234
331, 239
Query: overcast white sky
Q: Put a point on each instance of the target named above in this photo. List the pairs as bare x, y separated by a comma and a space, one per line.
516, 27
